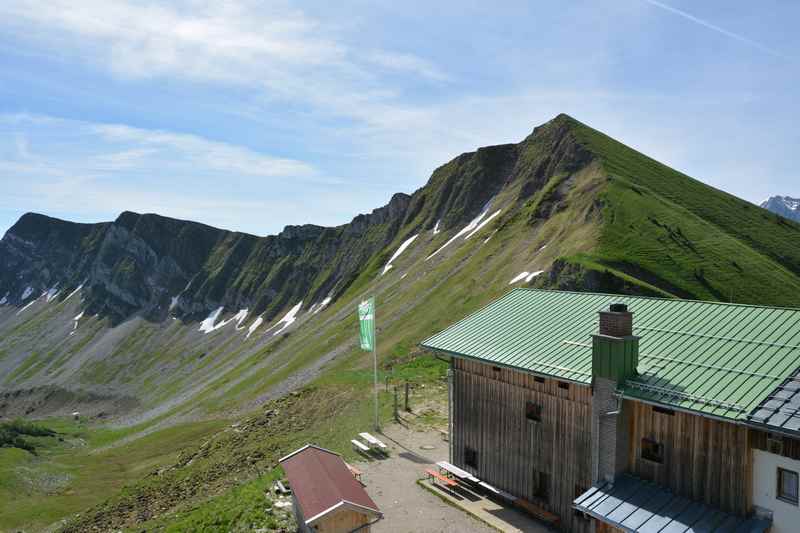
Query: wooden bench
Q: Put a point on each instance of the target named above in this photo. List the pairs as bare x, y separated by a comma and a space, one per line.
355, 471
434, 476
537, 512
359, 446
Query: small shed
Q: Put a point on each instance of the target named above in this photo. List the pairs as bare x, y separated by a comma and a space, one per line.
326, 496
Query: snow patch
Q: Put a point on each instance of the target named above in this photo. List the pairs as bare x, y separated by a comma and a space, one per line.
519, 277
533, 275
489, 237
173, 302
482, 224
399, 251
436, 229
73, 292
254, 326
27, 292
470, 228
207, 325
239, 318
51, 293
316, 308
527, 276
404, 275
542, 248
75, 324
288, 318
4, 300
27, 306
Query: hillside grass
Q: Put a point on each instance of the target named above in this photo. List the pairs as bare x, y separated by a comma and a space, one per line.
29, 497
686, 238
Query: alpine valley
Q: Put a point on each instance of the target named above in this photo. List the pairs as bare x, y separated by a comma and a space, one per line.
196, 356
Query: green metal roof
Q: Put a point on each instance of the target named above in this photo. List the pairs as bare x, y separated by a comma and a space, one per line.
715, 358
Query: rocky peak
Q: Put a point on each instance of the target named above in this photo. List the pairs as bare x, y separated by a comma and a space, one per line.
785, 206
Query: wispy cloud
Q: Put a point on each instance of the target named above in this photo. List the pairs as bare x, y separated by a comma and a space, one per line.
408, 63
279, 50
202, 152
718, 29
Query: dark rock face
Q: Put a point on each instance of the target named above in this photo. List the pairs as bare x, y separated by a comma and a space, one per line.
153, 266
785, 206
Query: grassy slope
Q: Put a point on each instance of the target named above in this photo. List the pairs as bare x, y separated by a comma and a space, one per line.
665, 228
66, 476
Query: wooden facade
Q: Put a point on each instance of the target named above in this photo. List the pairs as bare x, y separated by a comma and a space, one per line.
343, 521
704, 459
545, 461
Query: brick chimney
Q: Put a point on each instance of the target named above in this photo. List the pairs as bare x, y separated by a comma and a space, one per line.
615, 356
617, 321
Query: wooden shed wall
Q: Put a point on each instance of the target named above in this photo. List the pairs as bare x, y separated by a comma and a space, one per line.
703, 459
343, 521
489, 417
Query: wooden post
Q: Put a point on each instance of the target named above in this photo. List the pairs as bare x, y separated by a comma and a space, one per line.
396, 413
408, 410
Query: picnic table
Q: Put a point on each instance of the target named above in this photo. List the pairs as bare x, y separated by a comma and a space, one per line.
372, 441
497, 492
457, 472
359, 446
434, 476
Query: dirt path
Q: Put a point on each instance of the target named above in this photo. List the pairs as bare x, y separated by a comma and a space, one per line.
392, 483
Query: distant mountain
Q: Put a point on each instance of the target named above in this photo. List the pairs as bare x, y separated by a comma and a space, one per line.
785, 206
146, 313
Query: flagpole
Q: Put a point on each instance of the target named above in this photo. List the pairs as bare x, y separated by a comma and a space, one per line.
375, 362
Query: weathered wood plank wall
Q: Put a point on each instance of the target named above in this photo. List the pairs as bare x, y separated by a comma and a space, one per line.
703, 459
489, 406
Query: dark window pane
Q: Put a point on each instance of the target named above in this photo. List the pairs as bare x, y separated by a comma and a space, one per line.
533, 411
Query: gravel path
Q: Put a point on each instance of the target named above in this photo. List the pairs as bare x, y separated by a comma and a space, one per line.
391, 482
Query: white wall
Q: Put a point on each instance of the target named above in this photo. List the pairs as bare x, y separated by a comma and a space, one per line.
785, 516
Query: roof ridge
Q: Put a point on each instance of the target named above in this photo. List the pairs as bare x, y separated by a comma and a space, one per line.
636, 297
304, 448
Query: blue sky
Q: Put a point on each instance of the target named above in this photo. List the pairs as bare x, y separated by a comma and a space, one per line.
254, 115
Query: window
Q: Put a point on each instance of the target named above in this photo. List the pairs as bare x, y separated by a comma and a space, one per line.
470, 457
541, 485
496, 368
663, 410
533, 411
563, 385
787, 486
652, 451
538, 379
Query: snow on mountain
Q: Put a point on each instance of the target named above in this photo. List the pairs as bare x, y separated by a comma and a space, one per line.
288, 318
207, 325
399, 251
254, 326
470, 229
785, 206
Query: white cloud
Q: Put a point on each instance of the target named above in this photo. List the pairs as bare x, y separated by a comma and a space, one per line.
407, 63
217, 155
271, 47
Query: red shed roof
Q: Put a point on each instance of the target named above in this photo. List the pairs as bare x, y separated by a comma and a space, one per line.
321, 482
